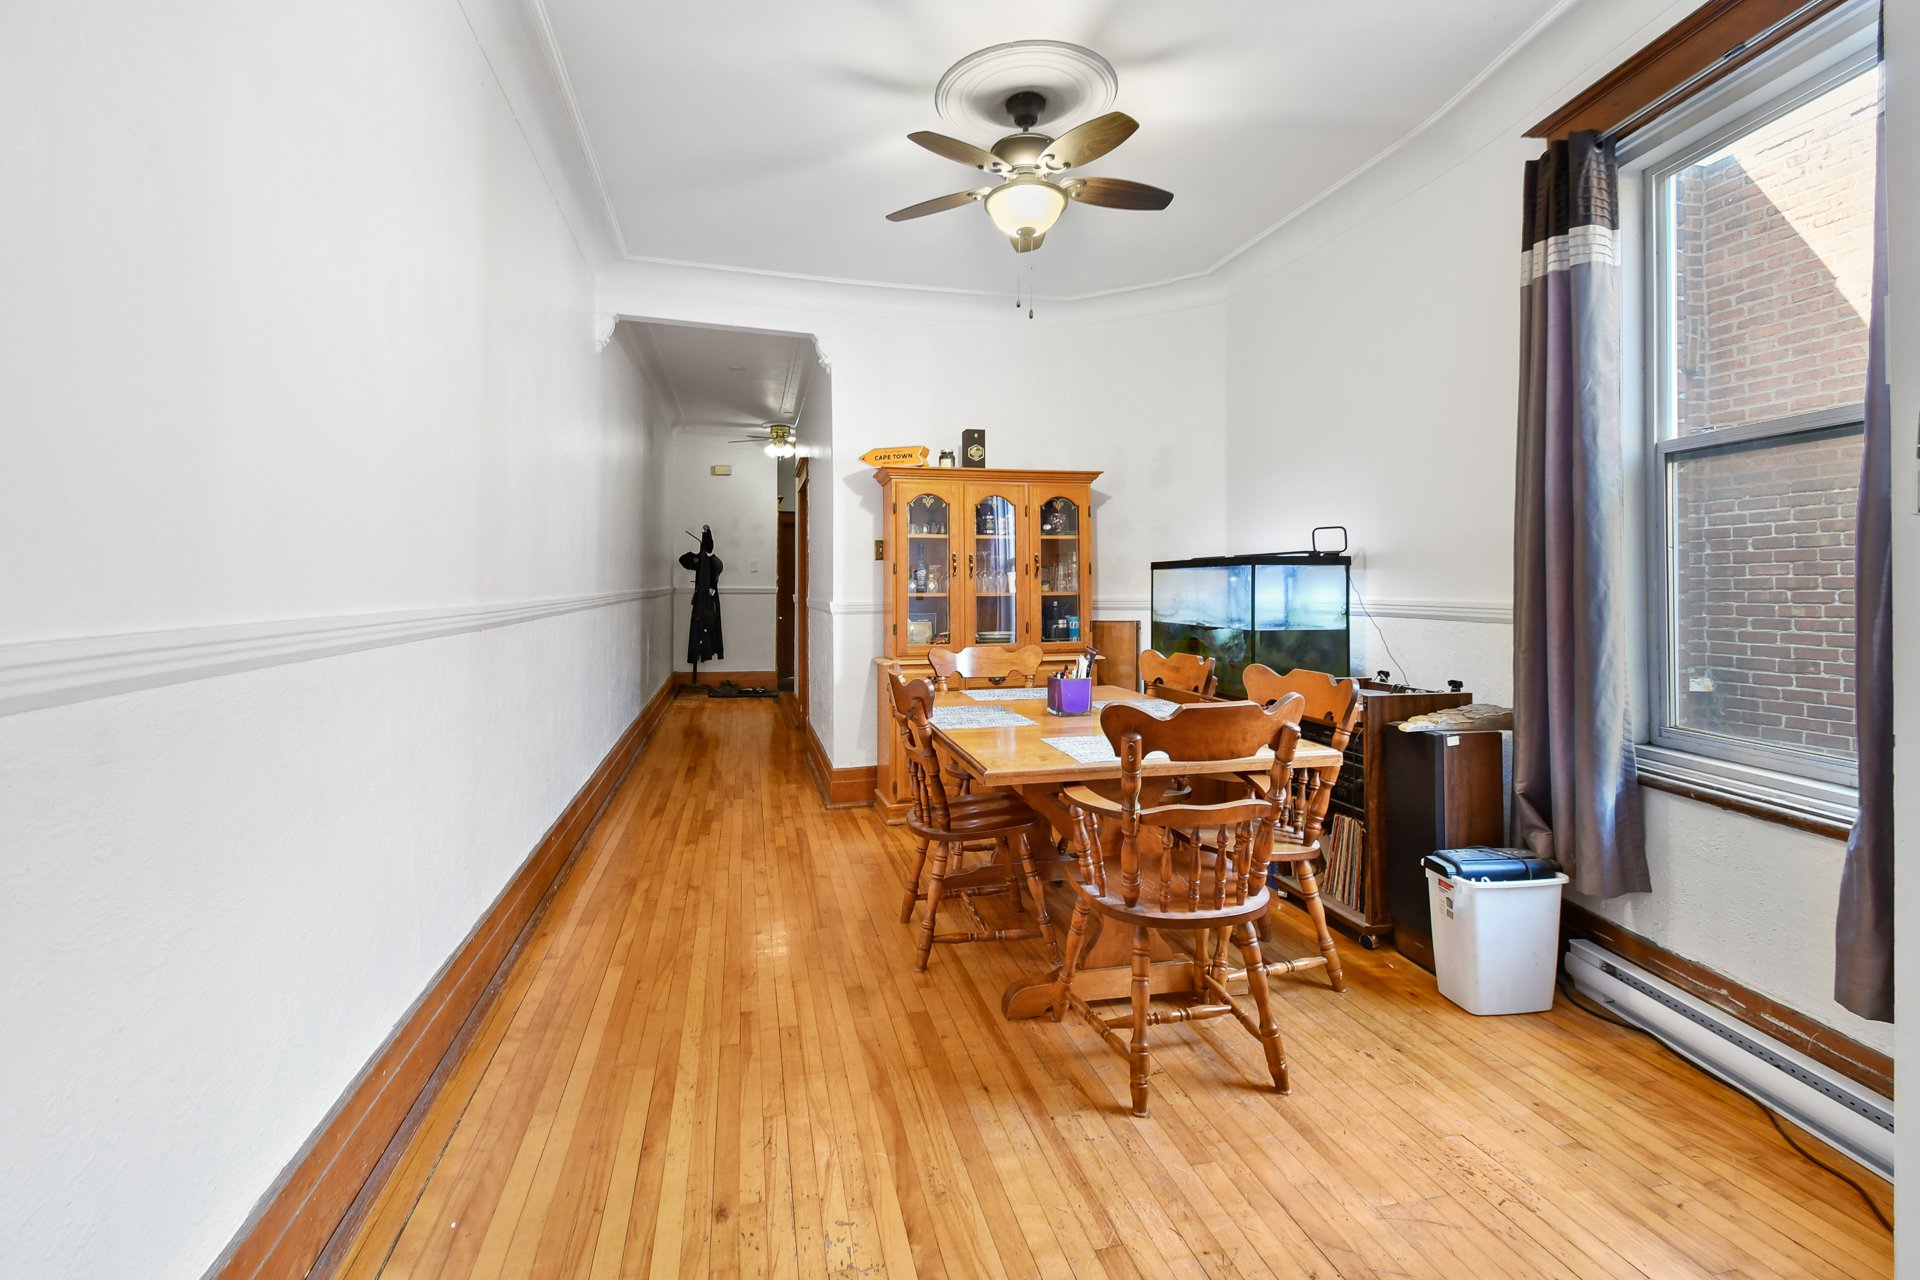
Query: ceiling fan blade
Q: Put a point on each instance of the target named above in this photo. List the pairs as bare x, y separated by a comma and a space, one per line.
1027, 244
954, 149
939, 204
1117, 193
1089, 141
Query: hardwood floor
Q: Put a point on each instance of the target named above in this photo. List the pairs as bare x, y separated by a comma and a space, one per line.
714, 1059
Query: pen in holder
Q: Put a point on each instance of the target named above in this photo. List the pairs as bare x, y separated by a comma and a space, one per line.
1067, 696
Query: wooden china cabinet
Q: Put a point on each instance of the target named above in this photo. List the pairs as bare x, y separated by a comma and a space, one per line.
980, 557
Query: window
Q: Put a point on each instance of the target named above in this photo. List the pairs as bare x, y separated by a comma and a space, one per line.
1760, 259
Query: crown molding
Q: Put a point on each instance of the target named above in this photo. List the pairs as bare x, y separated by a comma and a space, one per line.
49, 673
582, 164
518, 49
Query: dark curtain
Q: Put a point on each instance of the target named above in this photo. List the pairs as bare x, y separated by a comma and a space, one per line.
1863, 934
1575, 792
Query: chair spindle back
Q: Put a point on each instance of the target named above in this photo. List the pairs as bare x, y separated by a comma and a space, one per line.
1189, 858
986, 664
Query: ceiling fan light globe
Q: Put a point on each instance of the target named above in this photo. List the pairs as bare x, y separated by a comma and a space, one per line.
1025, 206
780, 448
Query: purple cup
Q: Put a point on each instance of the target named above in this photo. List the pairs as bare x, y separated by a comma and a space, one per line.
1069, 697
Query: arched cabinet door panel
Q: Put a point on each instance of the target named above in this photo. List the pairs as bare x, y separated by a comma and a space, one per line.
998, 576
1062, 565
925, 573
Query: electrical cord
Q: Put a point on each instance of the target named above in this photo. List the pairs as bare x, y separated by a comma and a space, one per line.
1405, 678
1579, 1002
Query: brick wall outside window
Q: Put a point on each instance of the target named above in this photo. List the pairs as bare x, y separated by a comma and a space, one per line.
1772, 244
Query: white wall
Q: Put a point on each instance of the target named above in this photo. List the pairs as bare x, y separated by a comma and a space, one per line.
294, 330
742, 509
816, 446
1137, 393
1372, 381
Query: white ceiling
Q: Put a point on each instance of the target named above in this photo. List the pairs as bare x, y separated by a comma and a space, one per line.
735, 378
770, 135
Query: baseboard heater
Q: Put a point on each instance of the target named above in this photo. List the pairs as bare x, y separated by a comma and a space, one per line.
1826, 1104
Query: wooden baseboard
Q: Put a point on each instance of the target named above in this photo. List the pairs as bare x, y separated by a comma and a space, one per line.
745, 679
839, 788
890, 813
316, 1194
1823, 1044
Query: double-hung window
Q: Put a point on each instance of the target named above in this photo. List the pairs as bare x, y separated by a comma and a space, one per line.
1757, 233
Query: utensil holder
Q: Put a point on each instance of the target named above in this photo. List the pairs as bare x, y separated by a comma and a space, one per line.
1066, 697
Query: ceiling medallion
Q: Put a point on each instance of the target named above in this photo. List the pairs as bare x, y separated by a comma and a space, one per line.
1077, 83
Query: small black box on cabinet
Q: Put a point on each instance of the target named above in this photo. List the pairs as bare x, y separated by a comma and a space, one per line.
973, 448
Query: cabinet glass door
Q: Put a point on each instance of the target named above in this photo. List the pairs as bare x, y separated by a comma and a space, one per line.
927, 569
1057, 565
994, 563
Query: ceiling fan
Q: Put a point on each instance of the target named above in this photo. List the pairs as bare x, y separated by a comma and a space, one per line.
1029, 201
780, 439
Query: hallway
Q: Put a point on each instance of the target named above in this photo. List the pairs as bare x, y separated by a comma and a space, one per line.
712, 1058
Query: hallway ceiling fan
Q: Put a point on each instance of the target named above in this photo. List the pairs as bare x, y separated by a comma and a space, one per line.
779, 439
1029, 200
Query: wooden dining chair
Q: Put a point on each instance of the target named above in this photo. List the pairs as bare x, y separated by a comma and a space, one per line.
984, 664
1194, 868
1335, 703
996, 825
1187, 672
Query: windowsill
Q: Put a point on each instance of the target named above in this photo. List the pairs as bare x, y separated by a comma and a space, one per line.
1822, 808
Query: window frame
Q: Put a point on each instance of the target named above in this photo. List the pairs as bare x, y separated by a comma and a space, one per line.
1830, 53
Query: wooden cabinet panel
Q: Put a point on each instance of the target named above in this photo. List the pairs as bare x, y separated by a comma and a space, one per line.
1060, 541
925, 570
999, 607
982, 556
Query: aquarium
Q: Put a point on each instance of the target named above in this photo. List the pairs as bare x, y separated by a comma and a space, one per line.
1287, 610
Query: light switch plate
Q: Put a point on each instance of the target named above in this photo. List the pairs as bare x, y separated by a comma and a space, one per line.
879, 548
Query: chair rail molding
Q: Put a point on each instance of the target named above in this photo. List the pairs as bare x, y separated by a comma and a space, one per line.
1493, 612
1496, 612
37, 674
744, 589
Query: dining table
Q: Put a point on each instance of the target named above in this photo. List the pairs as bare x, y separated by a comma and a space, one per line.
1005, 737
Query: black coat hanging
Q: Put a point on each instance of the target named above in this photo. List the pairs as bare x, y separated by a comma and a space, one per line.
703, 633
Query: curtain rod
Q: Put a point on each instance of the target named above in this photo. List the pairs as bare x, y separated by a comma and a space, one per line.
1757, 42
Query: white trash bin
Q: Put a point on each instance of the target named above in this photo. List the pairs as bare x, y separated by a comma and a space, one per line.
1495, 940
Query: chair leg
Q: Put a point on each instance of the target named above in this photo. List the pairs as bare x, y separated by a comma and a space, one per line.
1039, 890
1316, 912
1139, 1056
935, 884
1249, 941
1076, 937
913, 881
1212, 946
1003, 847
